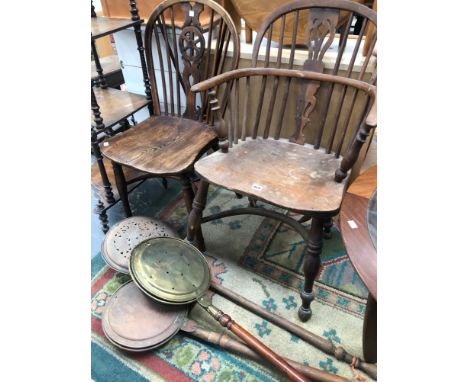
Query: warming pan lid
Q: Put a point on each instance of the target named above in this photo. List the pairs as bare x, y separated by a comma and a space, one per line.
134, 322
170, 270
120, 240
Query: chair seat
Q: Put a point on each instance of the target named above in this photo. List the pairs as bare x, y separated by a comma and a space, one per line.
285, 174
160, 145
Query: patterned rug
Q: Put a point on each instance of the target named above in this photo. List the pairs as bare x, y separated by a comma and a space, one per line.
276, 251
263, 257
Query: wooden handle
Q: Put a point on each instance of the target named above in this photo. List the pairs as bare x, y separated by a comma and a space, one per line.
267, 353
226, 342
226, 321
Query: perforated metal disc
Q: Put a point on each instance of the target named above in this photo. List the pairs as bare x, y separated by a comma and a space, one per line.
170, 270
125, 235
134, 322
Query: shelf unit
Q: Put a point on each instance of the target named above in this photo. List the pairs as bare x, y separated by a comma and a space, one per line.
111, 108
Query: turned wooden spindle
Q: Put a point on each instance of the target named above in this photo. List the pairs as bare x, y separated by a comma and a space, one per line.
218, 123
102, 170
101, 211
101, 81
93, 11
353, 152
96, 149
141, 52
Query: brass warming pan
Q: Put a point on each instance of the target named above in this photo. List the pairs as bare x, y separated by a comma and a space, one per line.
174, 272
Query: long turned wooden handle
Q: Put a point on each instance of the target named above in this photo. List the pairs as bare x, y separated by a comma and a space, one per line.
226, 321
319, 342
226, 342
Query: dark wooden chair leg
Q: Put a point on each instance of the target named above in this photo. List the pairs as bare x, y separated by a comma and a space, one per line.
194, 224
101, 211
327, 226
188, 194
369, 334
122, 187
311, 266
252, 202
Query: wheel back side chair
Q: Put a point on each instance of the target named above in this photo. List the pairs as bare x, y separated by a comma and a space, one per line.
298, 35
305, 176
185, 42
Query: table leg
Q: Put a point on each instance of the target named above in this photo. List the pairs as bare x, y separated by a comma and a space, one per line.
369, 335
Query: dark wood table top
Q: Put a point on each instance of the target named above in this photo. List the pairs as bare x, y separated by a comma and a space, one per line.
354, 228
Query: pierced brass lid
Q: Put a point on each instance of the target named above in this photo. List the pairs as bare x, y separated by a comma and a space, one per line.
134, 322
119, 242
169, 270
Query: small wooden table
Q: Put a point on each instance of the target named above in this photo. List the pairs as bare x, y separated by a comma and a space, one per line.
361, 250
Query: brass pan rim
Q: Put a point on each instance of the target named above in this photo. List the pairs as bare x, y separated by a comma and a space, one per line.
159, 299
160, 294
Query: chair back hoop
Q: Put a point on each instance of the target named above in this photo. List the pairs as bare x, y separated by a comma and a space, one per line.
273, 116
187, 42
298, 35
313, 26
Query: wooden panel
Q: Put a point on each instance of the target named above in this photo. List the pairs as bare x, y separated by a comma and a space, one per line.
101, 26
104, 45
120, 8
116, 105
285, 174
254, 12
366, 185
160, 145
370, 32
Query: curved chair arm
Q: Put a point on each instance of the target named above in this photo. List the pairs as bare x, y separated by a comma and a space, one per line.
307, 75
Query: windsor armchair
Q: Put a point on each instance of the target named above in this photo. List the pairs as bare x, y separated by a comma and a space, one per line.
303, 175
178, 56
298, 34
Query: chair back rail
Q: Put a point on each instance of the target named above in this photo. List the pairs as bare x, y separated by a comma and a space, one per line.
288, 82
303, 31
181, 54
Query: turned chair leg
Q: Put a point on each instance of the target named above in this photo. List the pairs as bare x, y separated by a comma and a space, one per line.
327, 226
311, 266
187, 192
194, 222
122, 187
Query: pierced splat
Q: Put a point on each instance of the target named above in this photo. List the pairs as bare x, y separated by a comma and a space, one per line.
321, 23
192, 49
